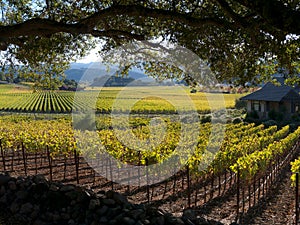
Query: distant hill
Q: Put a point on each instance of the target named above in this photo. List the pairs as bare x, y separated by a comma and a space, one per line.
75, 65
112, 81
88, 72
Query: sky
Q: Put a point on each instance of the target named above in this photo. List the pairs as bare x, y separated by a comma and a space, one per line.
92, 57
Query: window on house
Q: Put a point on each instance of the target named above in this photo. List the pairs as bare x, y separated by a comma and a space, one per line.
255, 106
296, 108
267, 106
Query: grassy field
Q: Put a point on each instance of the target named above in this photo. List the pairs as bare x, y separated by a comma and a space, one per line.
158, 99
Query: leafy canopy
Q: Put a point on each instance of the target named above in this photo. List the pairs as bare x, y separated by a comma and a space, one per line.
238, 39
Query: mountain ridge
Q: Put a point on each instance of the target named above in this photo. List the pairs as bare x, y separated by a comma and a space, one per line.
90, 71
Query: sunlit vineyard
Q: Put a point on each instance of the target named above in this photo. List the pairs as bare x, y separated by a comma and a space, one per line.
46, 102
140, 99
246, 146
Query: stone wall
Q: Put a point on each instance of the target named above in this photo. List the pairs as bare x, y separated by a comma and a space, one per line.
35, 200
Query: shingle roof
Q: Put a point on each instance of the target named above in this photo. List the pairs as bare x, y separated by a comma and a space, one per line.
272, 93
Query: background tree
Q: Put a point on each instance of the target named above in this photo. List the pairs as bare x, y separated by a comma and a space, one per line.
238, 38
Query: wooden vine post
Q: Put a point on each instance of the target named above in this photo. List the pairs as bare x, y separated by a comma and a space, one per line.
139, 169
147, 177
2, 155
254, 190
188, 185
24, 159
49, 161
238, 194
174, 181
65, 166
249, 194
243, 197
12, 158
297, 199
225, 180
76, 165
35, 162
128, 180
212, 184
111, 174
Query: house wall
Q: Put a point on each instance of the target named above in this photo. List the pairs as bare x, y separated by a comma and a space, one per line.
284, 108
262, 105
274, 106
288, 110
287, 106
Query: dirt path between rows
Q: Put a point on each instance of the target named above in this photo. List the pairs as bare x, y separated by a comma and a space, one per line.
278, 208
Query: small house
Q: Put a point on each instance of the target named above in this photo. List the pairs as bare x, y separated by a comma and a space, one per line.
273, 99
